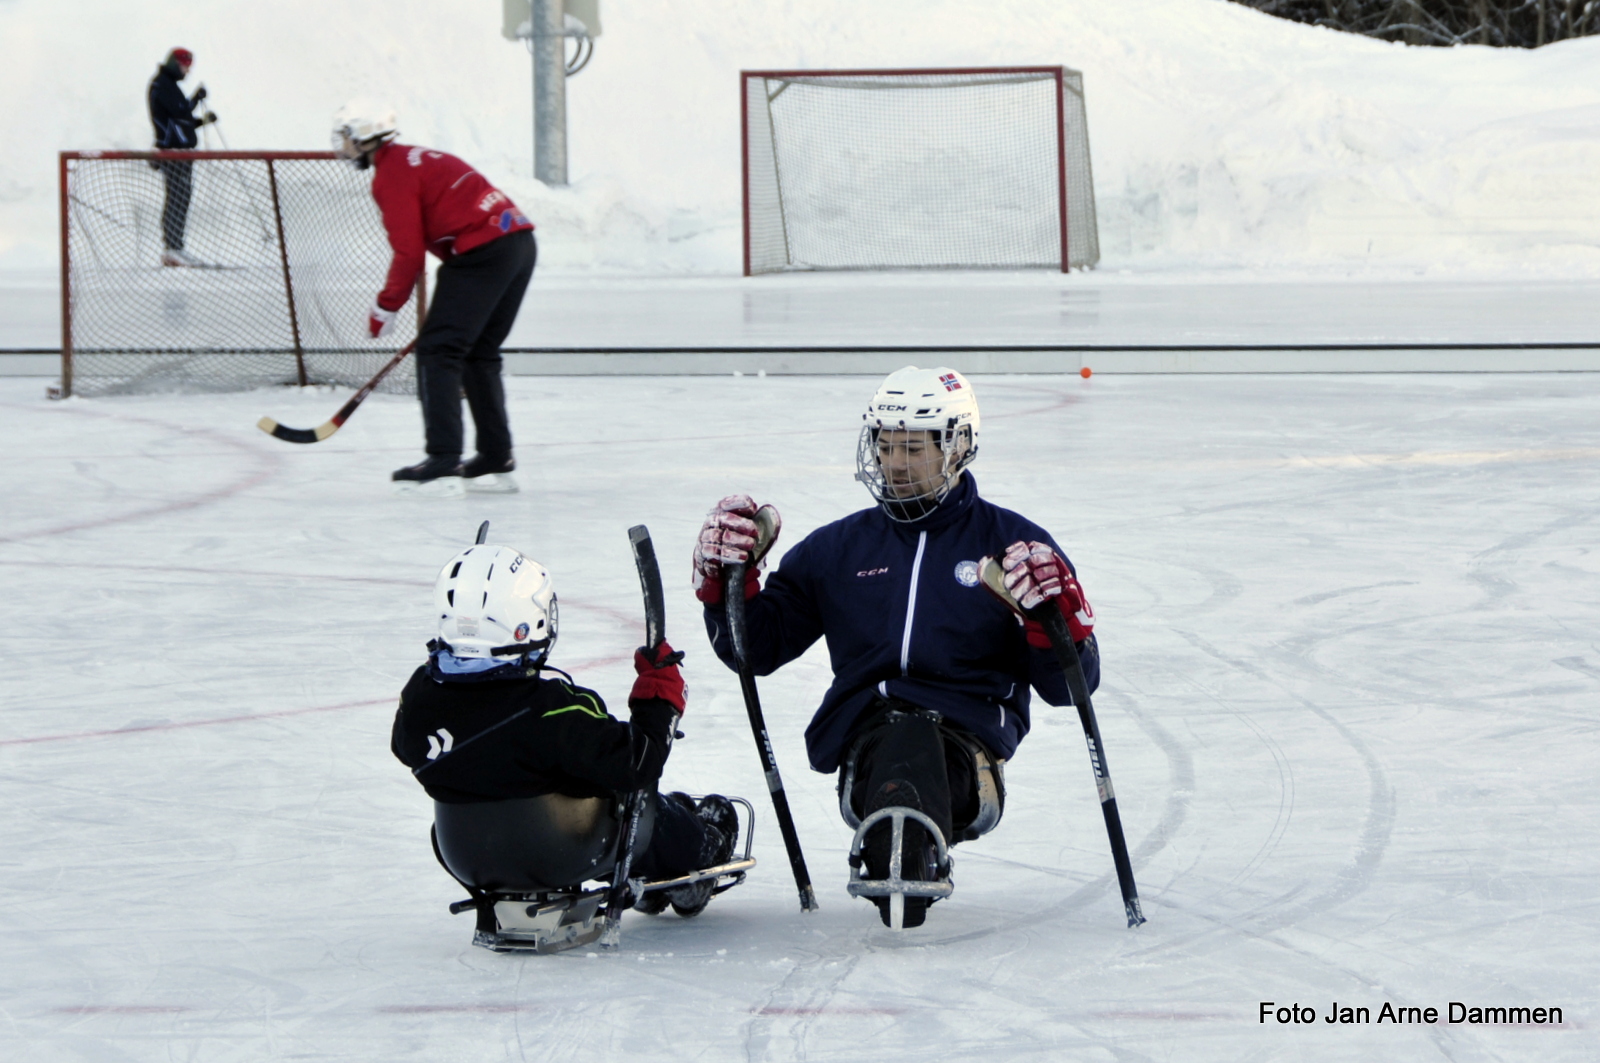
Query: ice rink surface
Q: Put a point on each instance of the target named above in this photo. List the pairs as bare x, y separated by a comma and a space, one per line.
1351, 666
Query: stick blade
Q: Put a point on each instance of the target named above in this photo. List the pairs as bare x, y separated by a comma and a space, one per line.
296, 435
655, 599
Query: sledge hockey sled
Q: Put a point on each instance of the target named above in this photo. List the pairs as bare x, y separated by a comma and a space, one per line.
988, 773
526, 861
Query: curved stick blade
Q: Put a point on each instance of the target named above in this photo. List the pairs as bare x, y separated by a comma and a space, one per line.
296, 435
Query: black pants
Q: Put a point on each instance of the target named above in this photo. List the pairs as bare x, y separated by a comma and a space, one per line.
475, 302
897, 742
179, 178
677, 841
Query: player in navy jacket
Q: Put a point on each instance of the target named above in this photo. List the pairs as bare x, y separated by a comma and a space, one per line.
432, 201
926, 662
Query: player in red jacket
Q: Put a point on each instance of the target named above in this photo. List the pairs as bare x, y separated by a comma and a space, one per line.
432, 201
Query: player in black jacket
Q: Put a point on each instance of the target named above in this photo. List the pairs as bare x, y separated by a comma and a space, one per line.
172, 115
480, 721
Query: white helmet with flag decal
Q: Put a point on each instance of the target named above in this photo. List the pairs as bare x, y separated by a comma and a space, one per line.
919, 432
359, 128
494, 603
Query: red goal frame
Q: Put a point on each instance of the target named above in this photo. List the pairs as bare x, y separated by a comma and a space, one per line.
1057, 72
64, 170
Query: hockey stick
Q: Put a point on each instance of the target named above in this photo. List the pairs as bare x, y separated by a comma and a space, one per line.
334, 423
655, 633
733, 588
1055, 626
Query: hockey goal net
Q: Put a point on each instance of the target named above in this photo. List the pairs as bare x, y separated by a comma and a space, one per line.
984, 168
221, 271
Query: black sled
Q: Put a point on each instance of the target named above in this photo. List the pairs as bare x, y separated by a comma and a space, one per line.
538, 868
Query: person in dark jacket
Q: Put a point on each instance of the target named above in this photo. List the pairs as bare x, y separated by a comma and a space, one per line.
932, 673
432, 201
481, 721
172, 114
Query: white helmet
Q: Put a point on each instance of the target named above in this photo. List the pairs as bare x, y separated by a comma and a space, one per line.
913, 400
493, 602
359, 127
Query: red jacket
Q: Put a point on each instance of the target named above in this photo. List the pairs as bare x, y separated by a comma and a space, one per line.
434, 202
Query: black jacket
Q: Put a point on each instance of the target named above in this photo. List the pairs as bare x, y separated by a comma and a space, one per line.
171, 112
486, 741
904, 617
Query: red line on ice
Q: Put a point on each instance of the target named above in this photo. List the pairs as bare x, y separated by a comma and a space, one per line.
143, 728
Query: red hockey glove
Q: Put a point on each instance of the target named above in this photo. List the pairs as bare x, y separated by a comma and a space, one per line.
658, 678
380, 322
735, 531
1034, 573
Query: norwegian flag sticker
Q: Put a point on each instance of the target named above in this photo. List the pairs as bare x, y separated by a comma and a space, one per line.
950, 382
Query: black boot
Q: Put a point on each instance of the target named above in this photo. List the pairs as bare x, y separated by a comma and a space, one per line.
722, 833
490, 475
438, 475
481, 464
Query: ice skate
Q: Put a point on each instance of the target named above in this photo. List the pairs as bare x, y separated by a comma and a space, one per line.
490, 476
177, 256
905, 856
437, 477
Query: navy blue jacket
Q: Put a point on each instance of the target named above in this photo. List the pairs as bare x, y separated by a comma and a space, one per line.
904, 616
171, 113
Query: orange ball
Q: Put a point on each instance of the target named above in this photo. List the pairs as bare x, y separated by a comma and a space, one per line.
1086, 372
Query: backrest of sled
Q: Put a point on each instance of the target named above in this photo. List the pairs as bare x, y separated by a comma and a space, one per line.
531, 843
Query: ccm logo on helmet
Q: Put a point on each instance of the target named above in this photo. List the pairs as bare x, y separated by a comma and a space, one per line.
891, 409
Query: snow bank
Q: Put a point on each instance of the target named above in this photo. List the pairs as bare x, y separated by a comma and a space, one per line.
1222, 138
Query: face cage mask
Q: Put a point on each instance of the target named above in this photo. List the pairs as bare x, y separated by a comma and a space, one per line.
869, 472
356, 153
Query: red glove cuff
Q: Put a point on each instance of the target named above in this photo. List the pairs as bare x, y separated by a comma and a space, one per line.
709, 591
1034, 631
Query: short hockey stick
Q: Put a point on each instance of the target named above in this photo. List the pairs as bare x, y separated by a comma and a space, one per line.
1055, 626
334, 423
733, 588
655, 633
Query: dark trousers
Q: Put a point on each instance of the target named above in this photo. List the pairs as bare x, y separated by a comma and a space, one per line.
179, 179
898, 743
676, 843
475, 302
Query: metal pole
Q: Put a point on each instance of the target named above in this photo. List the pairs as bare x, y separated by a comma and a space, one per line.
63, 176
549, 92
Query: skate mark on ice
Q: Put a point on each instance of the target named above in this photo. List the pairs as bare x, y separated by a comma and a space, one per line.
1579, 665
266, 464
1314, 599
779, 1027
1356, 875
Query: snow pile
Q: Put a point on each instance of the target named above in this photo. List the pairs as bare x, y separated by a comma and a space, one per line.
1222, 138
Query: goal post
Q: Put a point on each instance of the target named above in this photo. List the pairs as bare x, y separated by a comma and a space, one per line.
221, 271
959, 168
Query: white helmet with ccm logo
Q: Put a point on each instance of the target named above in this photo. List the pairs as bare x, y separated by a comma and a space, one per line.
940, 401
494, 603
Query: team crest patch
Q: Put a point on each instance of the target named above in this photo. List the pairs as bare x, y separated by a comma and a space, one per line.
967, 573
951, 383
522, 632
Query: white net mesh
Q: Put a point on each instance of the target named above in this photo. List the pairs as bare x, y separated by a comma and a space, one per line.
286, 252
886, 170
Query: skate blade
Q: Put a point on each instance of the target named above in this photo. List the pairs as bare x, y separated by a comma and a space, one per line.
443, 487
493, 483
